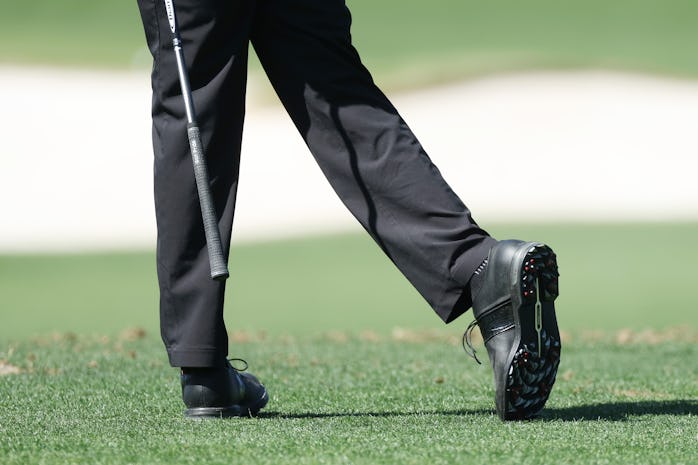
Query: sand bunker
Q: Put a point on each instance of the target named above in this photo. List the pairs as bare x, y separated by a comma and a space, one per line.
77, 164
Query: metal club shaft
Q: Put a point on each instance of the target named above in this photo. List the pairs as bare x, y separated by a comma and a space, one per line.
219, 267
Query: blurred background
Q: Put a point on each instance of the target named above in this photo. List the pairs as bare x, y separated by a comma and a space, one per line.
602, 96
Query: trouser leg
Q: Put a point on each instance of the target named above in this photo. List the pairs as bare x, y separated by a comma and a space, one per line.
367, 152
215, 41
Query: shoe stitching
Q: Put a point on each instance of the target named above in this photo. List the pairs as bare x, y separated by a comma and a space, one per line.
467, 335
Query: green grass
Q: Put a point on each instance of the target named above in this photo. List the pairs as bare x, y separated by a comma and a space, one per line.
316, 319
402, 41
114, 401
632, 276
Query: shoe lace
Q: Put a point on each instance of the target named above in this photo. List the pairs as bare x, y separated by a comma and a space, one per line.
245, 367
468, 343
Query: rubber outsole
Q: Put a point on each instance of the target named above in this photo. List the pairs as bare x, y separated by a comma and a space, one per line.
228, 412
533, 361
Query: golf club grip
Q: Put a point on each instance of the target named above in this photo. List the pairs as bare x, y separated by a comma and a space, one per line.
219, 268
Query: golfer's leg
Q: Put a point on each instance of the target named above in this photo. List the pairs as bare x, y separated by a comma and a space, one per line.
215, 38
366, 150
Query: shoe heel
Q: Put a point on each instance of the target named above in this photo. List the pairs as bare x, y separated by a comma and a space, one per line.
539, 274
201, 413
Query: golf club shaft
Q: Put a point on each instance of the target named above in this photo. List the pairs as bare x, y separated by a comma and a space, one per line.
219, 267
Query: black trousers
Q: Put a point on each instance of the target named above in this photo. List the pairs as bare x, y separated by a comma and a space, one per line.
363, 146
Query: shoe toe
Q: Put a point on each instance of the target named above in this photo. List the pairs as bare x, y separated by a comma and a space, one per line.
256, 396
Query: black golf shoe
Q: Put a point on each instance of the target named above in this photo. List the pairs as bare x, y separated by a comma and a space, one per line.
221, 392
514, 308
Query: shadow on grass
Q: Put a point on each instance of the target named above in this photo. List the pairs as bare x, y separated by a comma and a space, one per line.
621, 411
303, 415
612, 411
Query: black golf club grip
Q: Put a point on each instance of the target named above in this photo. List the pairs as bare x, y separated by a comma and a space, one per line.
219, 268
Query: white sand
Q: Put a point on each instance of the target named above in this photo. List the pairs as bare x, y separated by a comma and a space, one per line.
77, 164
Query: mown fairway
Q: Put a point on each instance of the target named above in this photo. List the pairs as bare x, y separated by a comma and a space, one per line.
319, 321
409, 399
403, 42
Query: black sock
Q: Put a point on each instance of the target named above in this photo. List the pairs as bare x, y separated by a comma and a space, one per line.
478, 277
